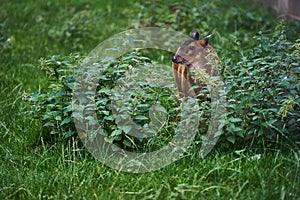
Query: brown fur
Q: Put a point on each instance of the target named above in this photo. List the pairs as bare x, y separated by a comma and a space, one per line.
193, 55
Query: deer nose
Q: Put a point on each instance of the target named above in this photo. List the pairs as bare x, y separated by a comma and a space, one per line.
175, 59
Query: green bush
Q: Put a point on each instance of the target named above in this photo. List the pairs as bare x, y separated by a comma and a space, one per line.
262, 93
263, 90
261, 75
261, 71
238, 21
232, 24
54, 108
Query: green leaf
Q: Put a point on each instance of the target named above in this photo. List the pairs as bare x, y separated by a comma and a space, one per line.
140, 117
91, 120
126, 129
116, 132
57, 118
108, 118
235, 120
69, 134
49, 124
127, 143
231, 139
66, 121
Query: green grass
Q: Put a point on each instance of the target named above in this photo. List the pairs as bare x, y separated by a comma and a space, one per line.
33, 168
62, 172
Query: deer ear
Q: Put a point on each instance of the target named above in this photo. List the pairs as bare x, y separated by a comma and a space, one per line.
205, 40
195, 36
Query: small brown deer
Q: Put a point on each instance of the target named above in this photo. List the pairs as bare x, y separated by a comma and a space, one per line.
191, 57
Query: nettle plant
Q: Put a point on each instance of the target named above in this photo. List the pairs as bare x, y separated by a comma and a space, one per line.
263, 90
53, 108
263, 101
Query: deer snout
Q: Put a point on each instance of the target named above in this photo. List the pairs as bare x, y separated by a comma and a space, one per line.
175, 59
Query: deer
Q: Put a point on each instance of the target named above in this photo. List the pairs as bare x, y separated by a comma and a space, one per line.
194, 66
194, 59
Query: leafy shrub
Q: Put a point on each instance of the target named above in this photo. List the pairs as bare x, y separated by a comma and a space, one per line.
261, 74
263, 90
262, 79
54, 109
215, 16
232, 24
136, 102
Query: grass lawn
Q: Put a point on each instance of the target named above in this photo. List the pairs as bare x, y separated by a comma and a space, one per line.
33, 168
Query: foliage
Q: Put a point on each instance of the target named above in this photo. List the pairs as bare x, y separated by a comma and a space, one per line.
231, 24
32, 168
218, 17
263, 103
263, 90
54, 107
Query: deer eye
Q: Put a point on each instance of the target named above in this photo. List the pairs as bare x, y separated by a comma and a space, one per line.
191, 47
